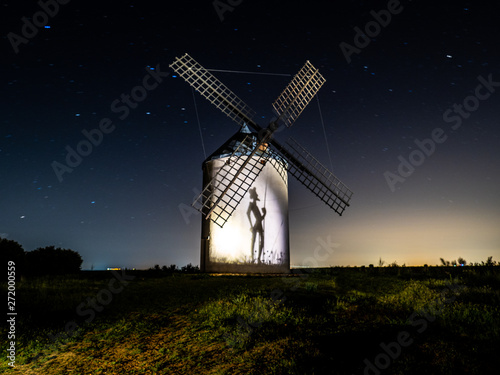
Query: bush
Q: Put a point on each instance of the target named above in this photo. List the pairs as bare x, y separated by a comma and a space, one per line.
189, 268
11, 251
52, 261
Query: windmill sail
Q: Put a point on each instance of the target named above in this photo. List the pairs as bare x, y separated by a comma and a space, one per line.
212, 89
314, 176
223, 193
297, 95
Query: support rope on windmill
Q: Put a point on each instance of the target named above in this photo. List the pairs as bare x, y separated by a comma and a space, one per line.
240, 232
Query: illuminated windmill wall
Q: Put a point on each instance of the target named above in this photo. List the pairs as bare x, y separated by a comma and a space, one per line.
249, 168
255, 237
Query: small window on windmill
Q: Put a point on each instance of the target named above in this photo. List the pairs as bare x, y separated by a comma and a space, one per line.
263, 147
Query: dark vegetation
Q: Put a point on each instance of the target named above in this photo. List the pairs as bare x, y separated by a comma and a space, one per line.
41, 261
325, 321
162, 271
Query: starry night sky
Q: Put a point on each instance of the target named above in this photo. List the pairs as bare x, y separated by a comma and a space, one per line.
120, 205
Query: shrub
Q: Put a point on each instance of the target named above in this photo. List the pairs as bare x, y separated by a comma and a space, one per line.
52, 261
189, 268
11, 251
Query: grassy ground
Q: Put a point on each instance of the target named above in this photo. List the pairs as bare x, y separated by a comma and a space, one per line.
343, 321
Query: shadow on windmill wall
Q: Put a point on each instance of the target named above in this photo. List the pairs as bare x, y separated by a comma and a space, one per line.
255, 238
256, 227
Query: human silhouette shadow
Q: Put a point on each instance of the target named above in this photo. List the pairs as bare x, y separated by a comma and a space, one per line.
256, 227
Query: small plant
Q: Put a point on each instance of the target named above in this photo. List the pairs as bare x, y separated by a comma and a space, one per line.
189, 268
310, 286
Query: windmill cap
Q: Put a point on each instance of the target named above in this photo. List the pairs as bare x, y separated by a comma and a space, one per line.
244, 129
232, 144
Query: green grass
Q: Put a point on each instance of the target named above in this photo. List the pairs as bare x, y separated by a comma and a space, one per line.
318, 323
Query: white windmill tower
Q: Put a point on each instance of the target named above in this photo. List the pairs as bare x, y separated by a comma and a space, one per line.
245, 193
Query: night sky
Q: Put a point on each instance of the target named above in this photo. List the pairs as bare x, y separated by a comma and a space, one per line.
431, 76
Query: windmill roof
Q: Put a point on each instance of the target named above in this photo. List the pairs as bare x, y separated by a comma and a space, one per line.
234, 142
245, 147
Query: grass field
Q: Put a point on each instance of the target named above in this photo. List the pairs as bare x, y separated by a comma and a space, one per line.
436, 320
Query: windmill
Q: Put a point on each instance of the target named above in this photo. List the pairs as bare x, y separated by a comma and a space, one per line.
247, 168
